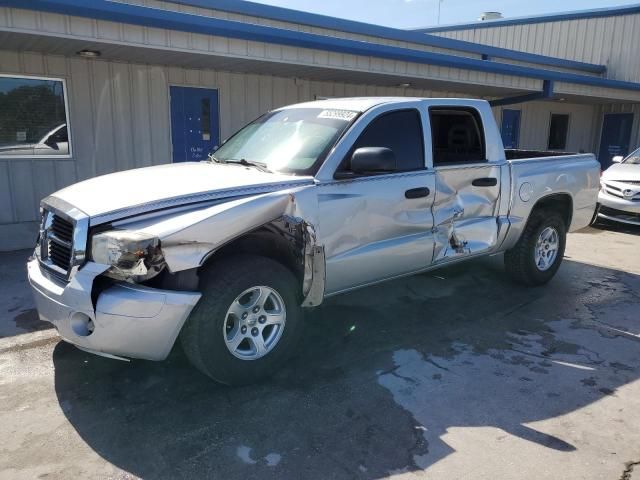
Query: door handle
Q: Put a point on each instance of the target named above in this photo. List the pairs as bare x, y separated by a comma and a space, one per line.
417, 192
485, 182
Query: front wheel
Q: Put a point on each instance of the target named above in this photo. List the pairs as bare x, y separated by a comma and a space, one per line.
247, 322
535, 259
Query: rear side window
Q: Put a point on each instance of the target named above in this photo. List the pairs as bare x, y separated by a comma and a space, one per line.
400, 131
457, 136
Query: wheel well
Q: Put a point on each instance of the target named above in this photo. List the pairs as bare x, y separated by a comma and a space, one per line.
561, 203
281, 240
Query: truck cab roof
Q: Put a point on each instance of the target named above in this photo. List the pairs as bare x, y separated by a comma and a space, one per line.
361, 104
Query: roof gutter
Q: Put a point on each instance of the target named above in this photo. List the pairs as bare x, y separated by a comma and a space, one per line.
155, 18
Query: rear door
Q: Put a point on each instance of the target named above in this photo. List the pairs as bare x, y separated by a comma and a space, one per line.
467, 184
194, 123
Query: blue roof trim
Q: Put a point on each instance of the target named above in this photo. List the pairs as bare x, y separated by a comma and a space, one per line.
551, 17
149, 17
361, 28
547, 92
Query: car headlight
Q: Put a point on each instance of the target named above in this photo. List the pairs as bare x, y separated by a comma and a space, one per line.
130, 253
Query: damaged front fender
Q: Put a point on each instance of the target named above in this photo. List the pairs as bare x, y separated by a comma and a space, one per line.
190, 237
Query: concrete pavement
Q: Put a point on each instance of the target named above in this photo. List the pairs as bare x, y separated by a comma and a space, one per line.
453, 374
17, 311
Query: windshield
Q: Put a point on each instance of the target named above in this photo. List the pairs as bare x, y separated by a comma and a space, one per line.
295, 140
633, 158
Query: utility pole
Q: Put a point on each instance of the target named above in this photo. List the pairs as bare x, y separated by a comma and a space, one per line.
439, 8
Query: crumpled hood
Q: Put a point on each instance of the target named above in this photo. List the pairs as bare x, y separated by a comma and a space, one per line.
145, 189
621, 172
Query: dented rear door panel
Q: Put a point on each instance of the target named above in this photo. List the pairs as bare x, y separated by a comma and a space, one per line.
464, 213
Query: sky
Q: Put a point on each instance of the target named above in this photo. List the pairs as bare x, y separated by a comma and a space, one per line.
424, 13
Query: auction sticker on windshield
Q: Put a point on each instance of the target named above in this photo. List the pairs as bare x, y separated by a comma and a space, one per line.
346, 115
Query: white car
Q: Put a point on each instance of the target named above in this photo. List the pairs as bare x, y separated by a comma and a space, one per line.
619, 197
54, 142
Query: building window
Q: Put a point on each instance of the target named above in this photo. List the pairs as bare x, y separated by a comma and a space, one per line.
558, 131
33, 118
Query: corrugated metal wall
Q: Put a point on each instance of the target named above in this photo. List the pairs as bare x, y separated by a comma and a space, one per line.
535, 119
119, 119
12, 19
610, 41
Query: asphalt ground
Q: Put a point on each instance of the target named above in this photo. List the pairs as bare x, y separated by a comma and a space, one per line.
457, 373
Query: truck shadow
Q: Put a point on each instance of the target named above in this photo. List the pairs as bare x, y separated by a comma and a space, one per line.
382, 375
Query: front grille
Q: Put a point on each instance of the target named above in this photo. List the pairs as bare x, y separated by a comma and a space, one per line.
62, 242
619, 191
57, 244
63, 229
59, 254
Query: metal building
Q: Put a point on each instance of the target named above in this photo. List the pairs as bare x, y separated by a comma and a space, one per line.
95, 86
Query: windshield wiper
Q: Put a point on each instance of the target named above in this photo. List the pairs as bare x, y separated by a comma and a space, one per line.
244, 162
213, 159
248, 163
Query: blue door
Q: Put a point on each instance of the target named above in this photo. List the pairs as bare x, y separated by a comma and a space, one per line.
616, 136
195, 128
510, 128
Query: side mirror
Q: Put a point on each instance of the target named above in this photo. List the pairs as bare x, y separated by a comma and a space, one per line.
373, 160
51, 142
617, 159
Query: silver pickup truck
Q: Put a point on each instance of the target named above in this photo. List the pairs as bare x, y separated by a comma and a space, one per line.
306, 202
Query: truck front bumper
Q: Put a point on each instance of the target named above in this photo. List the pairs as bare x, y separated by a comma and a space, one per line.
127, 321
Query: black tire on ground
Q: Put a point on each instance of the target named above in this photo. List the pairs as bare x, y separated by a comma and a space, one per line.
520, 260
221, 283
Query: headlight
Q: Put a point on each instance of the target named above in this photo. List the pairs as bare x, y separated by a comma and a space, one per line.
130, 254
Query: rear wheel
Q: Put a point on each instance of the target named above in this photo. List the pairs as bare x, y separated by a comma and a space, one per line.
535, 259
247, 322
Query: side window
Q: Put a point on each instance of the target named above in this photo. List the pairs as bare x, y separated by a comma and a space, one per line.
400, 131
457, 136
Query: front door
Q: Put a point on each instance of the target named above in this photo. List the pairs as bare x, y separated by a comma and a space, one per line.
616, 136
378, 226
194, 123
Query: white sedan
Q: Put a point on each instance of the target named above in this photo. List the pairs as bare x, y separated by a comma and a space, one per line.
54, 142
619, 197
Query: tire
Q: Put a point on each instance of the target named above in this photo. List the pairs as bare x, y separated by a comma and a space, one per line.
224, 285
520, 261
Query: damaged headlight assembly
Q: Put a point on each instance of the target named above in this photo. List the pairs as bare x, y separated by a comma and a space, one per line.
132, 255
